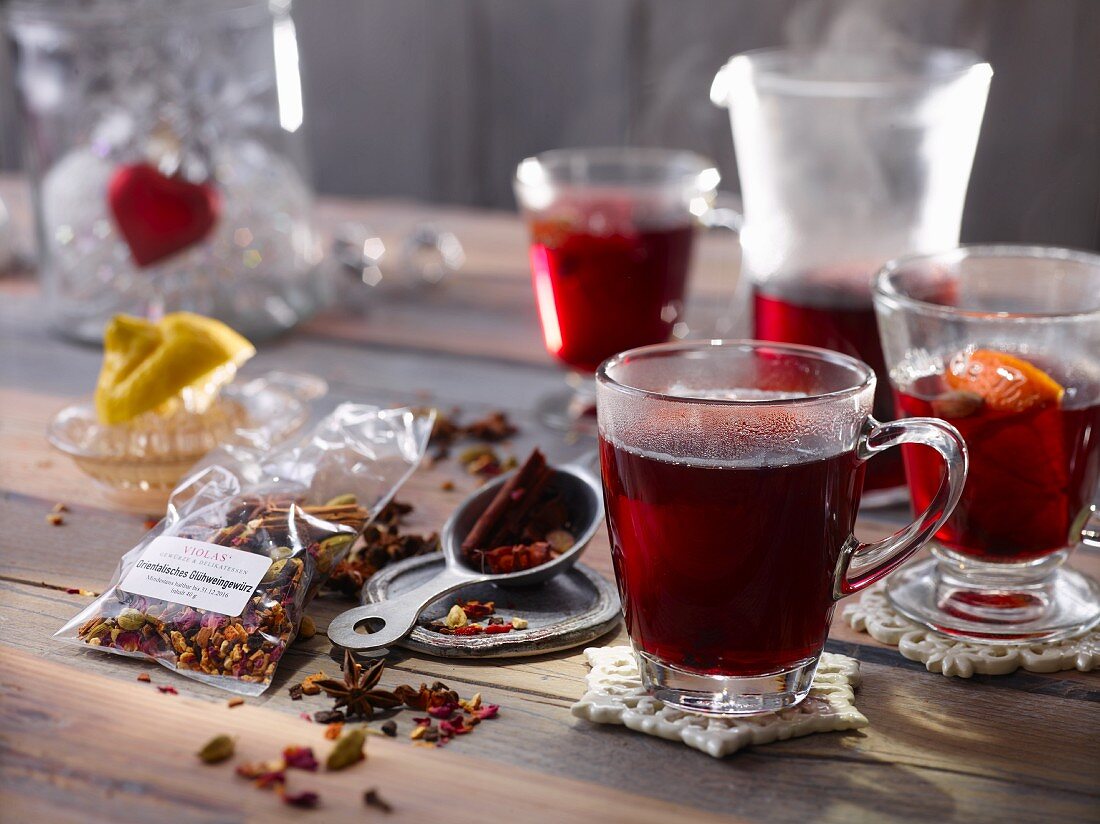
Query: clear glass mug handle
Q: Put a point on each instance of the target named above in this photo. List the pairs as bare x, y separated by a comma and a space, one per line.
860, 564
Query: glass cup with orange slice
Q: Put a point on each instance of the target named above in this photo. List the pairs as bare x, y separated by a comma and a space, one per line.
1003, 342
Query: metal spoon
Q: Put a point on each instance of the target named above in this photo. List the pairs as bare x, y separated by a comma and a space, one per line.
390, 620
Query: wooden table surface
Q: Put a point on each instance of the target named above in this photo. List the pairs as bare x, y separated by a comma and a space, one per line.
82, 740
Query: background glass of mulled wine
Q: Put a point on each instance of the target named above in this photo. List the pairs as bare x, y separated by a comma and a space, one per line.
1002, 342
612, 232
846, 160
732, 475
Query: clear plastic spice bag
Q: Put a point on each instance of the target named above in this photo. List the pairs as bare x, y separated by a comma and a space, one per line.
217, 589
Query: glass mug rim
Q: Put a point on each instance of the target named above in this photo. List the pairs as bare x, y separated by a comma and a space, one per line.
551, 168
886, 289
745, 346
770, 70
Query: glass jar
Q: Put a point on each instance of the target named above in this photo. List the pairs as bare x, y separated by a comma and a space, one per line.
164, 147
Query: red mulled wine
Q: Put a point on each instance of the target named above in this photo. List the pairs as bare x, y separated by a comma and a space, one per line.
728, 570
599, 294
1033, 471
844, 321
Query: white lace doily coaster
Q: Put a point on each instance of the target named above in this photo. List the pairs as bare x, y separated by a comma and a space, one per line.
874, 615
614, 696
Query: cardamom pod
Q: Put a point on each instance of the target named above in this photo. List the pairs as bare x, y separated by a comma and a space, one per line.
274, 571
130, 619
219, 748
347, 499
335, 543
347, 750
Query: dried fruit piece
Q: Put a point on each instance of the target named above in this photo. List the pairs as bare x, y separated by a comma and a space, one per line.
348, 750
55, 519
456, 617
306, 798
519, 623
310, 683
217, 749
144, 677
560, 540
235, 702
306, 630
1005, 382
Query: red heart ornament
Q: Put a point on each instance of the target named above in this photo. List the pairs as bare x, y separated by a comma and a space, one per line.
158, 215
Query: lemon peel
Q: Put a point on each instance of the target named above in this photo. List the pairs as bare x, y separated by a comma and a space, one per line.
147, 365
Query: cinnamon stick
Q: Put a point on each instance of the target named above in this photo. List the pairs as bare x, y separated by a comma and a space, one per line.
510, 506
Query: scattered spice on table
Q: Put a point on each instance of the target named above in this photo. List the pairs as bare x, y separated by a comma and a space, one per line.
150, 522
358, 692
167, 690
390, 728
372, 799
333, 730
300, 758
144, 677
447, 715
55, 519
328, 716
60, 507
306, 629
383, 543
446, 431
235, 702
217, 749
485, 462
347, 750
306, 798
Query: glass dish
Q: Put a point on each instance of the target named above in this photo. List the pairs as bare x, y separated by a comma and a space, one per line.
152, 452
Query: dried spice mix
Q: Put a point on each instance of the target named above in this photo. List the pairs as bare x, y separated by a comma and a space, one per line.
525, 525
218, 588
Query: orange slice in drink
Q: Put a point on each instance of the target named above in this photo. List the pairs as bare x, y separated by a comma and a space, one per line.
1005, 382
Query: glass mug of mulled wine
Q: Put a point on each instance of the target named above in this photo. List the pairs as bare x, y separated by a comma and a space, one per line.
732, 475
611, 233
846, 160
1002, 342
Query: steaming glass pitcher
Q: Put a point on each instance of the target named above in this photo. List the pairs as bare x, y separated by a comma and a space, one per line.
846, 161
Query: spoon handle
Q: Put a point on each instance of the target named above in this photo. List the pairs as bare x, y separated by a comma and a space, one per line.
397, 615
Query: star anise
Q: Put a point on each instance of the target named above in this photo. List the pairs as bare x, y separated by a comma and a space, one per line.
357, 691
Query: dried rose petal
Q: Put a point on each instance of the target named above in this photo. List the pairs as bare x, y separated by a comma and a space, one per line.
275, 778
306, 798
300, 758
444, 711
167, 690
488, 711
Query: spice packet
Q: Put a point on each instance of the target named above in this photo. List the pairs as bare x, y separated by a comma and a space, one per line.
217, 589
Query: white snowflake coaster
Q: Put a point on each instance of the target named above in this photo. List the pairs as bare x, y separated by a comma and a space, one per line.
615, 696
939, 653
